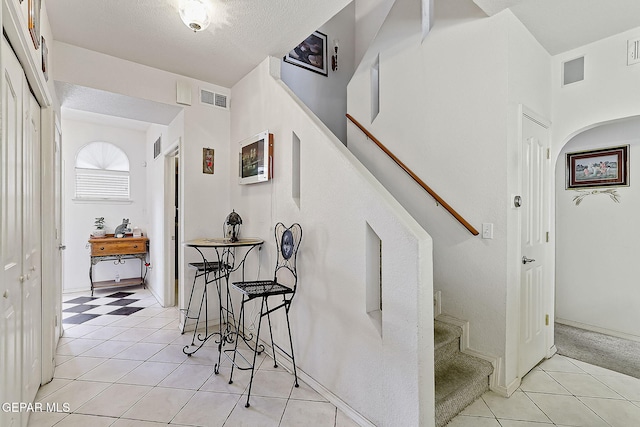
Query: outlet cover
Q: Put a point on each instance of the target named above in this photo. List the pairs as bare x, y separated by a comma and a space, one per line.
633, 52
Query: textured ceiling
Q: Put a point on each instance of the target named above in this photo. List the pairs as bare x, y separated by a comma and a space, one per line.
150, 32
563, 25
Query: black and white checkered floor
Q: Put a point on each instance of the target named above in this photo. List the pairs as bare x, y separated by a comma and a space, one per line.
80, 309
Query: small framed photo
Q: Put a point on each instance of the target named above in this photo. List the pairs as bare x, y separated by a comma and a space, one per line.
34, 21
310, 54
605, 167
256, 158
207, 160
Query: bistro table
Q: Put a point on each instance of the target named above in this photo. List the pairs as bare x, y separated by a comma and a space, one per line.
222, 255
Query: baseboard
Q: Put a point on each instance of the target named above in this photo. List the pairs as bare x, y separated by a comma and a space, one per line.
494, 378
213, 325
604, 331
285, 362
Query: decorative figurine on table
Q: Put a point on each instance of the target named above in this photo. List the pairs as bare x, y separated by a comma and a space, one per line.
232, 226
122, 229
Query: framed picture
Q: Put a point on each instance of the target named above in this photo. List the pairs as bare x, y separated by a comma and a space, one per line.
45, 59
605, 167
34, 21
310, 54
256, 158
207, 160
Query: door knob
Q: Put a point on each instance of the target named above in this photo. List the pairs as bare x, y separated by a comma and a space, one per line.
62, 247
526, 260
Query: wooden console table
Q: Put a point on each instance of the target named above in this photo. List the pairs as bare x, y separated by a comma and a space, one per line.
114, 249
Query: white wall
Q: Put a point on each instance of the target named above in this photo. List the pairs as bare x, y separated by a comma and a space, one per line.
205, 197
447, 111
370, 14
80, 215
326, 96
387, 378
606, 95
597, 242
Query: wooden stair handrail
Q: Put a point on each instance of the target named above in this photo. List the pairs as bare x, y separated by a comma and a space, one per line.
417, 179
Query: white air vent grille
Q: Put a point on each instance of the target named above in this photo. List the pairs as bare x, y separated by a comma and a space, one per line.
213, 99
633, 52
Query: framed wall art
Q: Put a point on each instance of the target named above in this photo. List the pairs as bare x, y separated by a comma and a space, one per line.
256, 158
605, 167
34, 21
310, 54
207, 160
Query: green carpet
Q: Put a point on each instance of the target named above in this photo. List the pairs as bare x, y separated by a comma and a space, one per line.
608, 352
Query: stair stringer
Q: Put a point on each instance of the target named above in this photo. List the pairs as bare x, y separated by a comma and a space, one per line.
496, 362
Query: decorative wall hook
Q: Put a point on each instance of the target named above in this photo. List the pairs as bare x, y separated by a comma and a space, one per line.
583, 193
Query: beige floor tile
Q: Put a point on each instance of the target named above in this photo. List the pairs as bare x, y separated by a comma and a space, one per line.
155, 322
301, 412
111, 370
162, 336
514, 423
171, 353
149, 373
76, 367
45, 419
140, 351
305, 392
103, 320
272, 384
134, 334
160, 405
78, 346
263, 412
54, 385
107, 349
566, 410
541, 382
478, 409
559, 364
517, 407
219, 407
626, 386
128, 321
188, 377
618, 413
584, 385
220, 382
77, 420
78, 331
342, 420
106, 332
115, 400
75, 394
123, 422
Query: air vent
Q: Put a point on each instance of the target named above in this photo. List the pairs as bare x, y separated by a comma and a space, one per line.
573, 71
213, 99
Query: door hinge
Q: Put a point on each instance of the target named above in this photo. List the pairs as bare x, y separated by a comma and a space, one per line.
547, 237
546, 320
548, 153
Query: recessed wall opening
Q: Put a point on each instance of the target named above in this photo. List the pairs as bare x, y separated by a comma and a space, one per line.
295, 168
374, 277
573, 71
375, 88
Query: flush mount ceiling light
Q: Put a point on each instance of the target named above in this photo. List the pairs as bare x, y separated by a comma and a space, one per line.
196, 14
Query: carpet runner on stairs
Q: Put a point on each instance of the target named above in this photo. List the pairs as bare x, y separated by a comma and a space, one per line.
460, 378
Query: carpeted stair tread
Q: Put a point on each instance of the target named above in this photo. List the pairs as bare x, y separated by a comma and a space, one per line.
460, 380
446, 341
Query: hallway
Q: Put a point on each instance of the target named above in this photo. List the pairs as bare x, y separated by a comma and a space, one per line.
128, 369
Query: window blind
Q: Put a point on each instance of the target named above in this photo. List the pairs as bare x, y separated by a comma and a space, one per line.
102, 184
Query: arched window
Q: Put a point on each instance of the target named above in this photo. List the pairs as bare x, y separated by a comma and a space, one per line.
102, 172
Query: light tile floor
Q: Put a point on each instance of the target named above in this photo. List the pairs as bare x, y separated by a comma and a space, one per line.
130, 371
560, 392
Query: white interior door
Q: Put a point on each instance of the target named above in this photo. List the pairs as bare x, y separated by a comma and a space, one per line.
535, 273
57, 212
10, 235
32, 248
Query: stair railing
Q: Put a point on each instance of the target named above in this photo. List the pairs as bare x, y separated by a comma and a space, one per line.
417, 179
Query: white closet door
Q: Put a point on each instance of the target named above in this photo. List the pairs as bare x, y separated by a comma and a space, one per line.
32, 244
11, 88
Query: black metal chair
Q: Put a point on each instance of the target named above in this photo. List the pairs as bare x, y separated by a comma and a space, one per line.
287, 243
202, 269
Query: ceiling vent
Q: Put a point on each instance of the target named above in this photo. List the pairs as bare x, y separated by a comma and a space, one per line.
214, 99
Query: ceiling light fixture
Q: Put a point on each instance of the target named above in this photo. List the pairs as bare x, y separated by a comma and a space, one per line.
196, 14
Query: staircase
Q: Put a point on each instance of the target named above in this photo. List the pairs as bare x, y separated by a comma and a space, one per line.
460, 378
